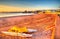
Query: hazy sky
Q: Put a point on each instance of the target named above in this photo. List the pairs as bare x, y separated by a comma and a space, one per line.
34, 4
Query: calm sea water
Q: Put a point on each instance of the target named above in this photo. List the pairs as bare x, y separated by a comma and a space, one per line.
14, 14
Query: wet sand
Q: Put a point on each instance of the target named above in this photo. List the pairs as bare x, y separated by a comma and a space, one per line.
31, 22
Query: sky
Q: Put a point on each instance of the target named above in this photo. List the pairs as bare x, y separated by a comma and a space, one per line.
31, 4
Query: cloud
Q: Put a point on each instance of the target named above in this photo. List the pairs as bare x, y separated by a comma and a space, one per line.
4, 8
